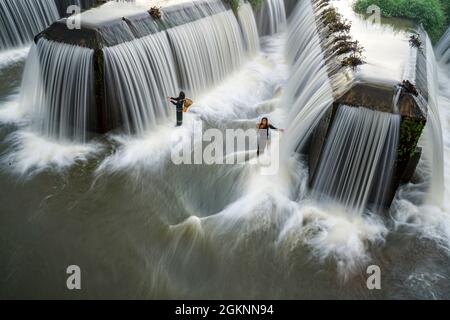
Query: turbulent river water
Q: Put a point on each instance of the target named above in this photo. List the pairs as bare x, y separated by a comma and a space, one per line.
141, 227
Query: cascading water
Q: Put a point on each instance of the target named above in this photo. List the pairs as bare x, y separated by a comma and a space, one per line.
140, 72
318, 80
21, 20
432, 139
271, 18
207, 50
249, 29
443, 48
139, 24
308, 93
57, 88
358, 160
141, 83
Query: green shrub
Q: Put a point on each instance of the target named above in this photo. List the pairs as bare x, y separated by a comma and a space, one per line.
446, 7
410, 131
234, 4
428, 12
257, 3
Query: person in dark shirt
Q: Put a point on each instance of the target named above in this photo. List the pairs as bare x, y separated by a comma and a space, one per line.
179, 103
264, 128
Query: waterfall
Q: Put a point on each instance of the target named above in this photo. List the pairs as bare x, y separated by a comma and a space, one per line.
57, 88
308, 93
358, 159
207, 50
138, 23
193, 56
432, 139
317, 80
443, 48
139, 75
21, 20
271, 17
249, 28
151, 62
290, 5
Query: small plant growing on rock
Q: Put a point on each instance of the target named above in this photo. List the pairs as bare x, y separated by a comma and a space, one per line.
347, 46
256, 4
353, 61
335, 22
408, 87
341, 26
341, 41
155, 12
415, 41
234, 4
322, 3
410, 131
341, 37
331, 16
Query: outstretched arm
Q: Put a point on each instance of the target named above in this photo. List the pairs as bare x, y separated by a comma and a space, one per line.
275, 128
173, 100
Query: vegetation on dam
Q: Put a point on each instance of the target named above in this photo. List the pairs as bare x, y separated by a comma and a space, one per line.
433, 14
235, 3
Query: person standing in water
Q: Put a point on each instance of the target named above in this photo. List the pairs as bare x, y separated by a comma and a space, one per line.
179, 103
264, 128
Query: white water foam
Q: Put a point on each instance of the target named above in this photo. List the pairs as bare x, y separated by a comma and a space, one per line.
430, 220
11, 113
251, 90
29, 154
13, 56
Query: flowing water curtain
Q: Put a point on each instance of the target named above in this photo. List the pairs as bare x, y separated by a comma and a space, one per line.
308, 93
58, 90
432, 161
249, 28
173, 16
193, 56
443, 48
115, 34
271, 17
207, 50
138, 75
21, 20
138, 72
358, 160
179, 15
432, 139
289, 6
